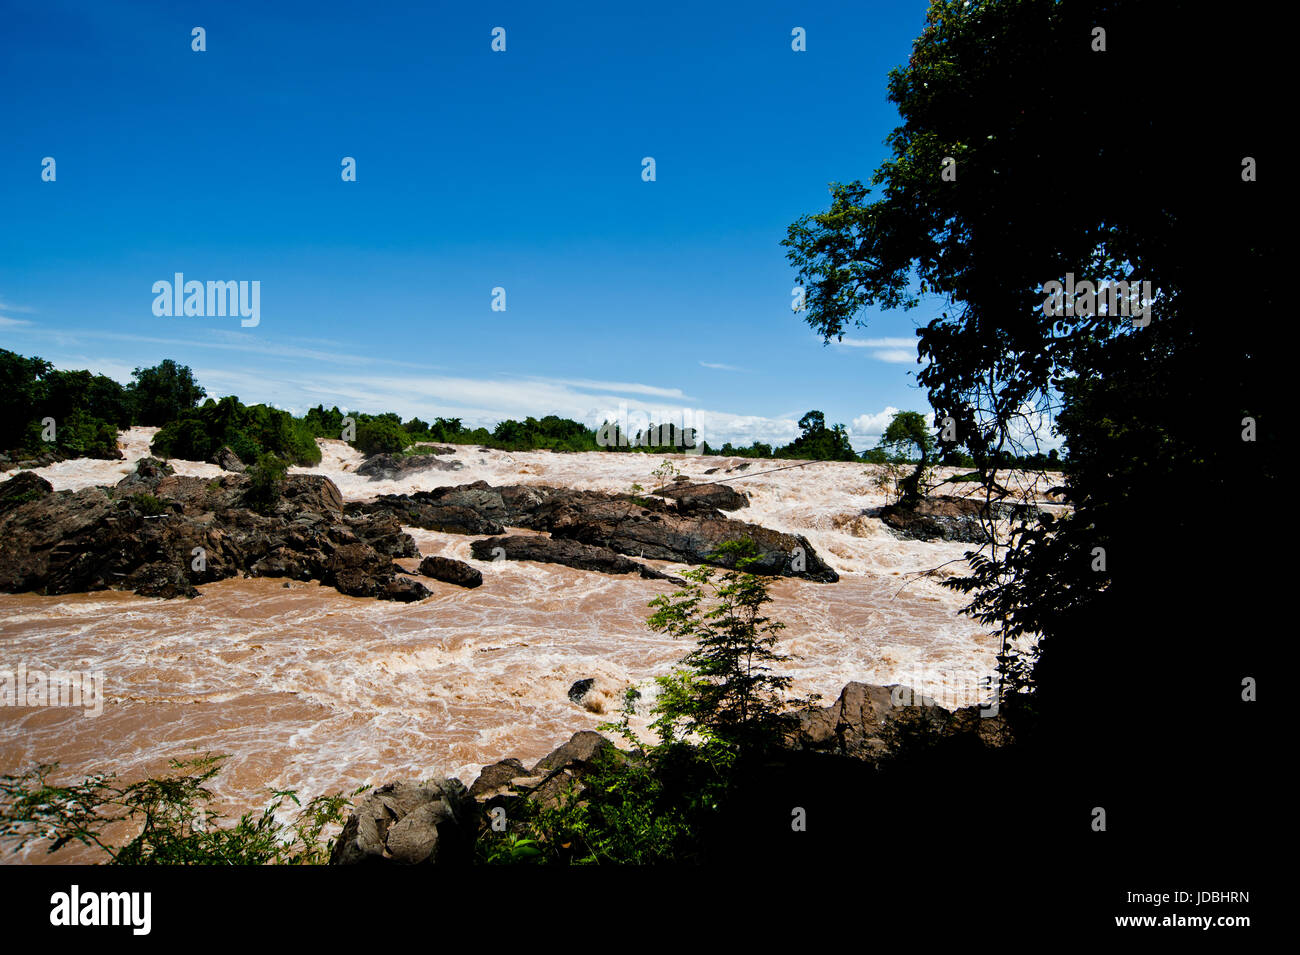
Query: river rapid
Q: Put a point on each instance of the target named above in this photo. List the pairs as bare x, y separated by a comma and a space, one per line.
311, 690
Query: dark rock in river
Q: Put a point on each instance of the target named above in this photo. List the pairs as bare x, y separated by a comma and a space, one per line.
682, 532
451, 571
423, 510
579, 689
407, 824
569, 553
161, 535
694, 497
943, 517
394, 467
228, 460
628, 528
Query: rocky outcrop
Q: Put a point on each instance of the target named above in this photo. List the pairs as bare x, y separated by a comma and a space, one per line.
162, 535
938, 518
560, 774
428, 512
570, 553
23, 487
692, 498
451, 571
943, 517
682, 531
228, 460
869, 722
629, 528
432, 823
395, 467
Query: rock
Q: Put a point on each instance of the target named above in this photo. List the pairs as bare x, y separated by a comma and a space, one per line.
22, 488
867, 720
569, 553
451, 571
417, 510
432, 449
627, 528
653, 528
314, 493
395, 467
111, 538
696, 497
943, 517
497, 777
407, 824
579, 689
580, 752
384, 534
228, 460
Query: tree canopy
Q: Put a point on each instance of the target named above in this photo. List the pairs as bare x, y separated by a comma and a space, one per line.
1128, 163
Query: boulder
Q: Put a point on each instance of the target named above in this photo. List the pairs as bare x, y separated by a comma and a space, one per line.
569, 553
117, 538
395, 467
22, 488
419, 510
228, 460
408, 824
696, 497
867, 721
579, 689
451, 571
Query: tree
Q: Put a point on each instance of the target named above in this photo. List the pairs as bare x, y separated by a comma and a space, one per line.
162, 392
380, 435
1154, 416
908, 432
727, 690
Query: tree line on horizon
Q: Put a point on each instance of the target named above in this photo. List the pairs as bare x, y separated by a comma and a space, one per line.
87, 411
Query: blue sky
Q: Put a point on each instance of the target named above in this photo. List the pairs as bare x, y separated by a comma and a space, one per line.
475, 170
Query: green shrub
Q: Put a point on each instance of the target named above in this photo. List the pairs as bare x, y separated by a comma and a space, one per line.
266, 483
170, 816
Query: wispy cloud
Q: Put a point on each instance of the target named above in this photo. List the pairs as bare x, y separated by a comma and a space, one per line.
897, 351
6, 322
719, 366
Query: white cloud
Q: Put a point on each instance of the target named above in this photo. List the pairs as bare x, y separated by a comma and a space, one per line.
878, 342
719, 366
6, 322
897, 351
872, 425
895, 356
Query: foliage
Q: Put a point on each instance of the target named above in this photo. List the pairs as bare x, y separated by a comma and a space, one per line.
87, 409
727, 691
266, 482
381, 434
908, 431
147, 504
171, 816
721, 708
249, 430
1148, 413
818, 442
164, 392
